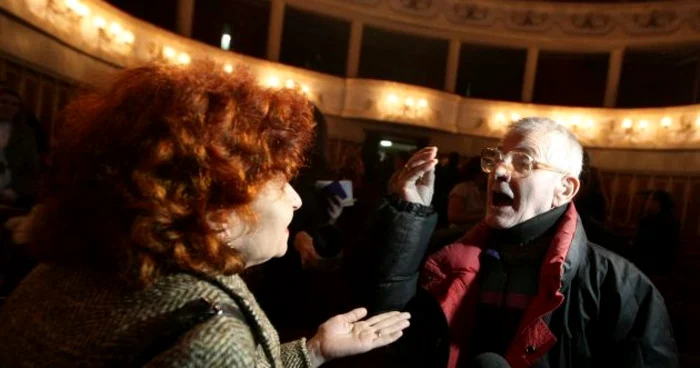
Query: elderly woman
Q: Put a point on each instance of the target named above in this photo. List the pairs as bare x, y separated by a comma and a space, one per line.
167, 185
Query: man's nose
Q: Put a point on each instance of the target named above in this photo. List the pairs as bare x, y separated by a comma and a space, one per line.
502, 172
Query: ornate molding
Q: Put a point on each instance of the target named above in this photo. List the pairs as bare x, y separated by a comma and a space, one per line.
588, 24
655, 21
674, 21
530, 21
420, 8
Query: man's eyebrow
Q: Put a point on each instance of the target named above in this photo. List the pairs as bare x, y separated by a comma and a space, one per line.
527, 150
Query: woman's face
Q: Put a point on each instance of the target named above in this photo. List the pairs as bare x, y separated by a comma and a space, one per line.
274, 207
9, 107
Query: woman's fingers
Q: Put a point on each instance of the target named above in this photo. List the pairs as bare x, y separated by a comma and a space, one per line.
354, 315
385, 340
380, 317
393, 328
389, 319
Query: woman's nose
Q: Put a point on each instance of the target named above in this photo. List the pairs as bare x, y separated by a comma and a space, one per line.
294, 197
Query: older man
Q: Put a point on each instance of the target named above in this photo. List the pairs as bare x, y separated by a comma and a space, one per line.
525, 286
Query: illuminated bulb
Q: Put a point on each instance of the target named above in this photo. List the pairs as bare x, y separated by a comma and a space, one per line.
115, 28
392, 99
184, 58
305, 89
273, 82
422, 103
627, 123
500, 117
225, 41
289, 83
643, 124
100, 22
228, 68
514, 116
385, 143
410, 102
82, 10
127, 37
666, 122
169, 52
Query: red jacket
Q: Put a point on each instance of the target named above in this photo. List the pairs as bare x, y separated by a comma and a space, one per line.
450, 274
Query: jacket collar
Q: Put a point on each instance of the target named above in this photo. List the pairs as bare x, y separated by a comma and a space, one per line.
530, 230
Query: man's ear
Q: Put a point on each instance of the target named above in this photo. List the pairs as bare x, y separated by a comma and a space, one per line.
566, 191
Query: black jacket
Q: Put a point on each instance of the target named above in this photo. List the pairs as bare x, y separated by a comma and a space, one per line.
612, 314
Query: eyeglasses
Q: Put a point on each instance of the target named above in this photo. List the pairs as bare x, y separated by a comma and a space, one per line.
520, 163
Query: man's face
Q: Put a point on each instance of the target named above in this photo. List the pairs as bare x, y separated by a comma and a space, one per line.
512, 199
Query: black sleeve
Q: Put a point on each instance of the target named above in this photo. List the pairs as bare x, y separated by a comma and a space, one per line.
389, 259
643, 336
387, 272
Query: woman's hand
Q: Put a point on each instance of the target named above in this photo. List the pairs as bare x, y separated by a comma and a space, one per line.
346, 335
415, 182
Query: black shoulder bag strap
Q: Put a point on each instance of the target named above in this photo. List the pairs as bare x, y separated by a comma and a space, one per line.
158, 334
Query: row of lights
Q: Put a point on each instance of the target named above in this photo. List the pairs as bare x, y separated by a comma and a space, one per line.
573, 121
115, 31
408, 102
275, 82
578, 121
665, 122
184, 58
173, 55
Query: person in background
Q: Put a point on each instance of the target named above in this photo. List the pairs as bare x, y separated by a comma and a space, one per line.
467, 201
525, 284
591, 205
590, 201
658, 236
466, 205
447, 175
19, 157
19, 176
167, 185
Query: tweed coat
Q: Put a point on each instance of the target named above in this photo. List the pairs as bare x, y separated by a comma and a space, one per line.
61, 316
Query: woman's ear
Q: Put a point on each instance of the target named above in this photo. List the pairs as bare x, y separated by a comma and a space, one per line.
566, 191
228, 224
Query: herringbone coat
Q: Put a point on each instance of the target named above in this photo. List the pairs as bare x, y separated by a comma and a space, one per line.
64, 317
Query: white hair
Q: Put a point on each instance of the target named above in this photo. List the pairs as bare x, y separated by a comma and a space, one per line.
564, 150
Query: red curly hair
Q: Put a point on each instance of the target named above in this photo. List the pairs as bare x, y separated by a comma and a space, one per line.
142, 165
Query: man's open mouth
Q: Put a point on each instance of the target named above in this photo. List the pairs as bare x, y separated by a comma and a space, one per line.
500, 199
